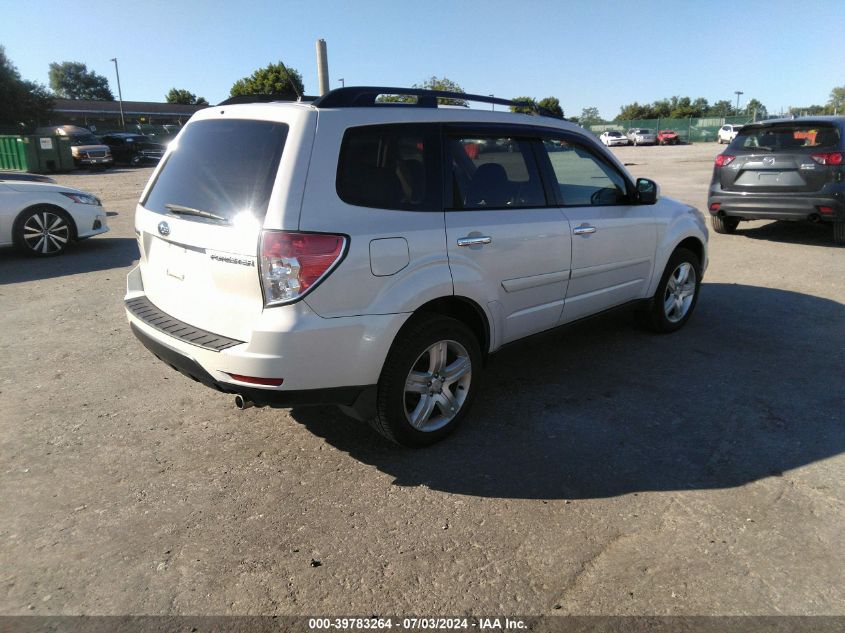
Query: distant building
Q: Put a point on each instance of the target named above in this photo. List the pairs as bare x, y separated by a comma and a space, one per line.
104, 116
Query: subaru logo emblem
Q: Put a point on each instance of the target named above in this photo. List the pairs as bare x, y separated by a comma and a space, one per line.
164, 228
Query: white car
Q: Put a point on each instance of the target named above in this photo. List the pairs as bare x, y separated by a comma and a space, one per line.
43, 218
641, 136
613, 137
340, 252
727, 133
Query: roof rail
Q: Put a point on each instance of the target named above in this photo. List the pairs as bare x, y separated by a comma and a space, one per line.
365, 97
266, 98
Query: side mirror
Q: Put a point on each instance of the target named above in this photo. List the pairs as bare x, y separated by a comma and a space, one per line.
648, 191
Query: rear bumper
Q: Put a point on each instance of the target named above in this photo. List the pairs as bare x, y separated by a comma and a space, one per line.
321, 361
770, 206
344, 396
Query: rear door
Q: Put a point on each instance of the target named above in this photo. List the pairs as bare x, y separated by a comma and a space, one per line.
508, 246
199, 222
613, 240
779, 158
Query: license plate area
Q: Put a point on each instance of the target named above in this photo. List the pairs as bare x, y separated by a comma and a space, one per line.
176, 256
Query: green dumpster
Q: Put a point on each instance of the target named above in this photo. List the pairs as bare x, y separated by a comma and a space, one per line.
47, 151
65, 154
17, 153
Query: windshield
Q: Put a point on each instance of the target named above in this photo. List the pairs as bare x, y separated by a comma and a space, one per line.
84, 139
614, 134
222, 167
788, 136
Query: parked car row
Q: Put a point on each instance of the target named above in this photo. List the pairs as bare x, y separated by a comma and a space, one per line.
92, 152
639, 136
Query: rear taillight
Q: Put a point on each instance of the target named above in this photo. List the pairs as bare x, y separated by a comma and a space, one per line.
723, 159
292, 263
832, 158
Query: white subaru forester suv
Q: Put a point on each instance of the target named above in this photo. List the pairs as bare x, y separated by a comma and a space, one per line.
372, 255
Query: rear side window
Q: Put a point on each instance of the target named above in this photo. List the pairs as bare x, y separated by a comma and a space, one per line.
786, 137
390, 167
224, 167
494, 173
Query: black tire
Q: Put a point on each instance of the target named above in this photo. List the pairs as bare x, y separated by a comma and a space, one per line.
724, 224
654, 313
43, 231
136, 160
839, 229
410, 354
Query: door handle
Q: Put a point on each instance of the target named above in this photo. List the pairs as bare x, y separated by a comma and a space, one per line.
474, 241
584, 230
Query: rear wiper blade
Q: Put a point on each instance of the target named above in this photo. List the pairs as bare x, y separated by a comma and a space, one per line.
181, 210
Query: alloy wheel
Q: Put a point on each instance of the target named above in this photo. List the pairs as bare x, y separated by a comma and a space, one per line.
680, 292
437, 385
46, 233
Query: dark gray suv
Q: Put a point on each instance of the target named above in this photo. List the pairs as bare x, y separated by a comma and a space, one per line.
790, 169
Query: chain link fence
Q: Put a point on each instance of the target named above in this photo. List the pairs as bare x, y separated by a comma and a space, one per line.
690, 130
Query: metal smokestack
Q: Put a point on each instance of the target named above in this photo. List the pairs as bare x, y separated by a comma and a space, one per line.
322, 67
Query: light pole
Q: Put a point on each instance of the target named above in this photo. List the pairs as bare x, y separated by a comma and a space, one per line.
342, 83
737, 93
492, 105
119, 94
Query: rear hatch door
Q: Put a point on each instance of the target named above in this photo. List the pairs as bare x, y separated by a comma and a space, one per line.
200, 220
779, 158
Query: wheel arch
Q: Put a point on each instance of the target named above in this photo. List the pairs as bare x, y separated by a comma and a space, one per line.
692, 244
465, 310
47, 206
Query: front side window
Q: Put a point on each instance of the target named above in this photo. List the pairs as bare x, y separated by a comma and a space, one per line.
492, 172
390, 167
584, 180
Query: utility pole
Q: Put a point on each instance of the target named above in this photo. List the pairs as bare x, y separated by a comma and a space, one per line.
738, 93
322, 67
119, 94
492, 105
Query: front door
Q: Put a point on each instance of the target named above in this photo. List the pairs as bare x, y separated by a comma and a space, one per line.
508, 246
613, 240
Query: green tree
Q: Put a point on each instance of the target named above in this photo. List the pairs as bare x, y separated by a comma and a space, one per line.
446, 85
73, 80
432, 83
721, 108
589, 116
756, 109
836, 105
184, 97
552, 104
273, 79
526, 105
635, 111
22, 103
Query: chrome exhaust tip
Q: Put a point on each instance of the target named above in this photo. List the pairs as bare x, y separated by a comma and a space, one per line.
242, 403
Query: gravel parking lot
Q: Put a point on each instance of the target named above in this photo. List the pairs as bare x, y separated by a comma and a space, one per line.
603, 470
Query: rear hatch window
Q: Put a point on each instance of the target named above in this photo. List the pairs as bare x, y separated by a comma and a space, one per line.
787, 137
222, 167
